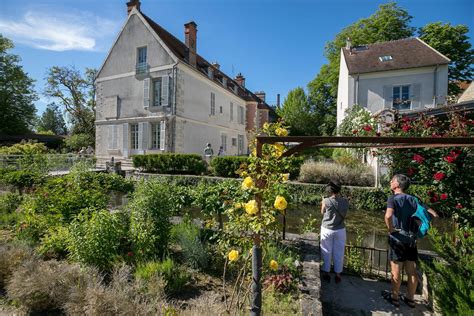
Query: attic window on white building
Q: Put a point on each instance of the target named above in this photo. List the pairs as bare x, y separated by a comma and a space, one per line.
385, 58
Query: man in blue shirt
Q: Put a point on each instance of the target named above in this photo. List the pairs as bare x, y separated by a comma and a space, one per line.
402, 241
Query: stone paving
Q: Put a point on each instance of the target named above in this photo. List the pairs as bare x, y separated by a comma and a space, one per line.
353, 296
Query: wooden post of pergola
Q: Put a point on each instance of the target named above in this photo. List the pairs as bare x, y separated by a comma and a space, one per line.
332, 142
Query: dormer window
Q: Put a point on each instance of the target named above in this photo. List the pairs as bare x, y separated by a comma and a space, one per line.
385, 58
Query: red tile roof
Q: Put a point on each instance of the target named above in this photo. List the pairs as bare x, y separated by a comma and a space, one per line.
405, 53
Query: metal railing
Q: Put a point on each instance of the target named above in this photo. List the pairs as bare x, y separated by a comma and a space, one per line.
141, 68
44, 162
367, 261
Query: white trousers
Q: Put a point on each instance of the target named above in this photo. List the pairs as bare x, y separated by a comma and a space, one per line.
332, 247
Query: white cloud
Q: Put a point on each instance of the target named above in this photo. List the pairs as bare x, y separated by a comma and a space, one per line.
59, 31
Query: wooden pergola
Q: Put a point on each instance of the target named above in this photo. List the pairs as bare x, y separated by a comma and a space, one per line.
304, 142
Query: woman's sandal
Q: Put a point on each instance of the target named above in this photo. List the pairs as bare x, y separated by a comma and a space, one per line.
409, 302
387, 295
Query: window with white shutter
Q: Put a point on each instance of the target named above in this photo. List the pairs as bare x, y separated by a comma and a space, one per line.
240, 144
146, 92
401, 97
162, 135
165, 90
112, 137
155, 135
231, 111
224, 142
134, 136
157, 92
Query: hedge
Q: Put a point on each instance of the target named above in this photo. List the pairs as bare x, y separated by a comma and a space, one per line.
360, 198
227, 166
170, 163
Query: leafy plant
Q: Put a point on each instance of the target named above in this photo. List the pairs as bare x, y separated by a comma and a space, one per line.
323, 172
9, 204
175, 276
95, 240
170, 163
227, 166
150, 210
187, 237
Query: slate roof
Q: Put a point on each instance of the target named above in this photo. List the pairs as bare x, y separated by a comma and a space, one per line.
406, 53
180, 50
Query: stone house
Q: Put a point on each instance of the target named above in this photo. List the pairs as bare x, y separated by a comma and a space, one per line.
156, 94
403, 75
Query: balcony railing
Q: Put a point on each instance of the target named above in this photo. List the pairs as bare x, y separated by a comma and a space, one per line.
141, 68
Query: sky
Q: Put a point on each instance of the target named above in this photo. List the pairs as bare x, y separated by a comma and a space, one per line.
277, 45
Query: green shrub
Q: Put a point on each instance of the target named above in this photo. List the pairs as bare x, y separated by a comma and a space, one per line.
283, 255
227, 166
187, 237
77, 141
295, 167
150, 209
346, 157
24, 148
175, 276
21, 179
96, 240
54, 243
9, 204
323, 172
170, 163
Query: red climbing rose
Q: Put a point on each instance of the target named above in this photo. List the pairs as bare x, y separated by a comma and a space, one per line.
443, 196
418, 158
438, 176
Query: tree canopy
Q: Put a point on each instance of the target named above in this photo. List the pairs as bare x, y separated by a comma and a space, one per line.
298, 113
17, 111
74, 91
453, 42
52, 121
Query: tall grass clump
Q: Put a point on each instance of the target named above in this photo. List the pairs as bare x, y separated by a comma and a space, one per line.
187, 236
323, 172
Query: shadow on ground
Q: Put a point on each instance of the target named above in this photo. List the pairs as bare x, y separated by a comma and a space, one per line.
359, 296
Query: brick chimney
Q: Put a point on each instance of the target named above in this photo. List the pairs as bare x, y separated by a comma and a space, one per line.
260, 95
240, 80
190, 36
133, 4
216, 65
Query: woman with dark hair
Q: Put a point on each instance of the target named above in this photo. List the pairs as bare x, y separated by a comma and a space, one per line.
333, 230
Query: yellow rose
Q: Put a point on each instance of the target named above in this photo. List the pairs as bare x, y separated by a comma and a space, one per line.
281, 131
279, 148
285, 177
254, 152
273, 265
251, 207
266, 125
233, 255
247, 183
238, 205
280, 203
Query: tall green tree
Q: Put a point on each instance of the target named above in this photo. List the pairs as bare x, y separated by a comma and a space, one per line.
74, 91
453, 42
17, 111
52, 120
298, 114
389, 22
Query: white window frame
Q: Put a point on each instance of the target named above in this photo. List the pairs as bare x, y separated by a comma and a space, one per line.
213, 103
231, 111
240, 143
155, 131
142, 59
240, 113
224, 142
157, 95
134, 136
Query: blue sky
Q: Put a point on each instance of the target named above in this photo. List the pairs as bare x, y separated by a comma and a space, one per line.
277, 45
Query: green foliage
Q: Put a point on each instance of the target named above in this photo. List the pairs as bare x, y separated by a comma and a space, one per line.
298, 114
453, 42
346, 157
75, 92
276, 303
95, 239
216, 198
150, 210
452, 277
175, 276
9, 204
76, 141
170, 163
309, 225
227, 166
21, 179
286, 257
187, 236
25, 148
355, 260
51, 121
55, 242
17, 93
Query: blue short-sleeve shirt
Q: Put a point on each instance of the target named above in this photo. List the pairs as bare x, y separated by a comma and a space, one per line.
404, 206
